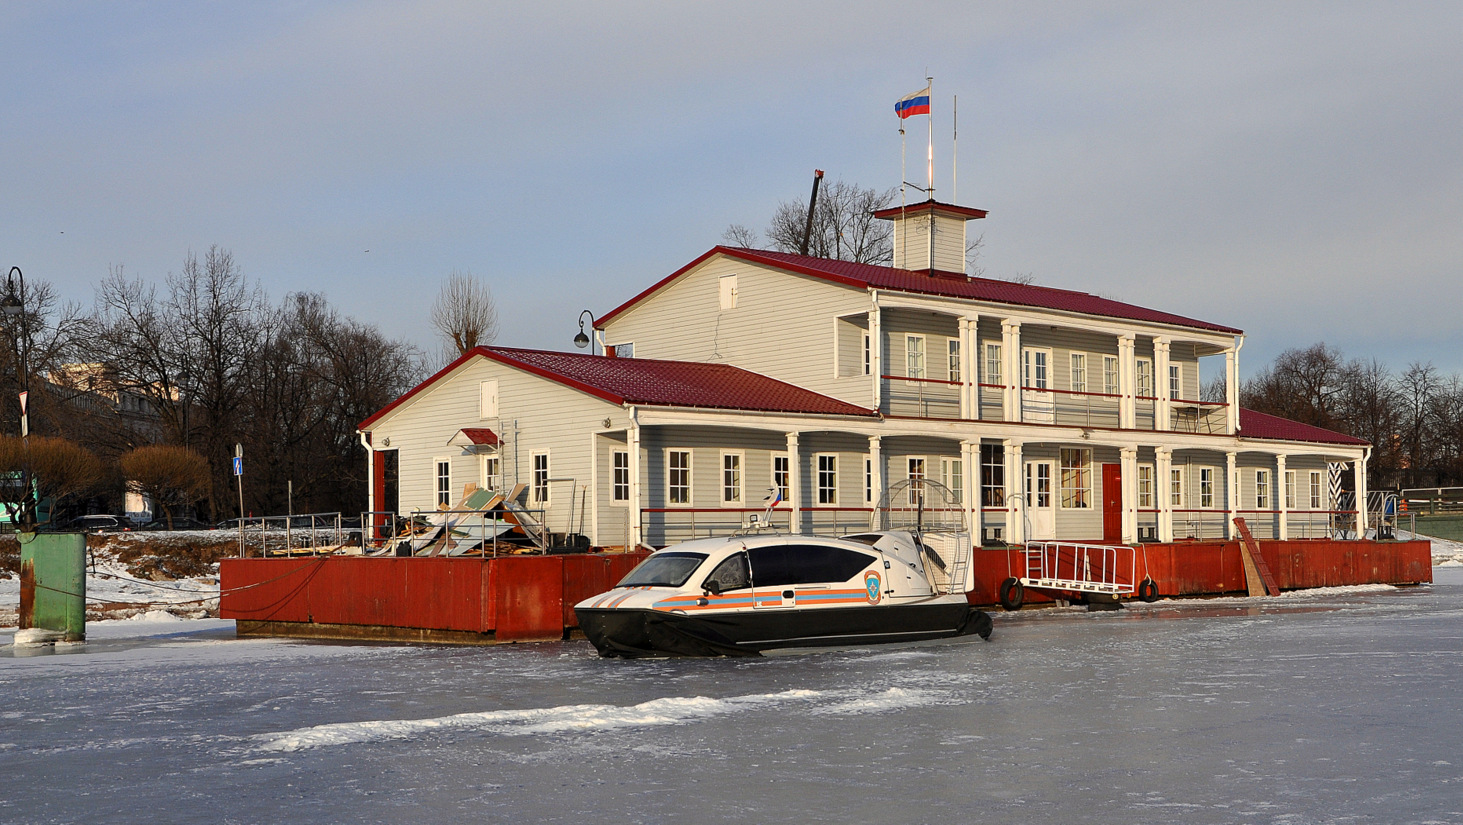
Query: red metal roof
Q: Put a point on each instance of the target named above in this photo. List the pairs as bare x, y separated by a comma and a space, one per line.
946, 284
969, 213
652, 383
1262, 425
481, 435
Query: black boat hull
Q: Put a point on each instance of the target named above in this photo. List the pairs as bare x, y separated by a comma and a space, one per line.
637, 633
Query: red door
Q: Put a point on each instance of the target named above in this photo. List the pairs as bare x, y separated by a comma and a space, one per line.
1112, 503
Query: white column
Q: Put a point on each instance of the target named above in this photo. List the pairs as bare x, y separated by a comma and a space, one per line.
876, 353
1231, 390
1163, 468
794, 485
1231, 494
1161, 415
1127, 383
1011, 354
1128, 461
1282, 529
637, 537
970, 480
1015, 513
876, 455
966, 407
1359, 468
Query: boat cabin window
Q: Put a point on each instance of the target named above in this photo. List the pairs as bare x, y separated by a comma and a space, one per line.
731, 574
783, 564
664, 570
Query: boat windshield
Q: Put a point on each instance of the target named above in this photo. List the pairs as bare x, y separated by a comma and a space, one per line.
664, 570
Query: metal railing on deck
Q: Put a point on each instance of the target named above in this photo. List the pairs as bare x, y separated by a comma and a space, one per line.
300, 534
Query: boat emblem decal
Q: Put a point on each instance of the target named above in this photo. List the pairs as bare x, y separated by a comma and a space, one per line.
872, 585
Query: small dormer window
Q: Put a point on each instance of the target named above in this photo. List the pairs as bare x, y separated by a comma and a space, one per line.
727, 291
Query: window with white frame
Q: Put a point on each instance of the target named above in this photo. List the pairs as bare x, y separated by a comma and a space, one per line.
1035, 375
1076, 480
917, 477
952, 475
1079, 372
992, 475
678, 477
827, 478
1144, 373
488, 477
868, 354
444, 481
868, 480
540, 464
1206, 487
1290, 489
953, 349
620, 480
1262, 489
1110, 374
727, 292
1145, 487
992, 364
1316, 489
1176, 487
488, 399
731, 478
1175, 381
914, 354
780, 475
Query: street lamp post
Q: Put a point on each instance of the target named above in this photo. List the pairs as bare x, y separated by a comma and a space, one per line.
581, 340
13, 306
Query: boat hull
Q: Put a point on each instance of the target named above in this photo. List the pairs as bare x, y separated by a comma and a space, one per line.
636, 633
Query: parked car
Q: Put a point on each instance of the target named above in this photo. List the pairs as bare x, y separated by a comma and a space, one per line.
95, 524
179, 523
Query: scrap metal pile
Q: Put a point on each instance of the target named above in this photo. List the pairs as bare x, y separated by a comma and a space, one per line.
483, 523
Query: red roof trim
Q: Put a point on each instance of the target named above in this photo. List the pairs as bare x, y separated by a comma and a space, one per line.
600, 322
948, 285
411, 393
967, 212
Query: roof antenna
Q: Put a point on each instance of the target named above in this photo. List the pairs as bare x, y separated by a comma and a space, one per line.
812, 204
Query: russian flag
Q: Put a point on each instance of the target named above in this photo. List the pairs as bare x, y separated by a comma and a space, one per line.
914, 104
776, 497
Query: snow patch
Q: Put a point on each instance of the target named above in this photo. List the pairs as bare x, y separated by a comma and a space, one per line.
891, 699
561, 719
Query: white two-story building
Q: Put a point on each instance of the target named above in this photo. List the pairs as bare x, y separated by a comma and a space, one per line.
1049, 413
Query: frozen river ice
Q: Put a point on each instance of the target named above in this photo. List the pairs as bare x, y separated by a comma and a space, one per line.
1339, 706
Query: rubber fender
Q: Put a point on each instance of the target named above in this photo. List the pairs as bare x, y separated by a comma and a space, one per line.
1148, 590
1012, 594
979, 623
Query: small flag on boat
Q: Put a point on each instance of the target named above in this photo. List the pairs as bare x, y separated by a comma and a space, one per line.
775, 498
914, 104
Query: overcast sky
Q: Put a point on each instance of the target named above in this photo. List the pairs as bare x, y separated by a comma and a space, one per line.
1295, 170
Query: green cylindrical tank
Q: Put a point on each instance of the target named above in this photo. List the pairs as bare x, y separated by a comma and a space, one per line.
53, 583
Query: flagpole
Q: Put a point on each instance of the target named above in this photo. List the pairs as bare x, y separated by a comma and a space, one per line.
955, 150
930, 172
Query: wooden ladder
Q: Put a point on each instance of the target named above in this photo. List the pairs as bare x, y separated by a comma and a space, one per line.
1257, 572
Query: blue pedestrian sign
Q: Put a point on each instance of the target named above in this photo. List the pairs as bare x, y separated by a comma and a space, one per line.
238, 465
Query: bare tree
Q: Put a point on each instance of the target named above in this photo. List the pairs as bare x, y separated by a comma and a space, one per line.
738, 235
57, 469
844, 226
1303, 385
464, 312
169, 475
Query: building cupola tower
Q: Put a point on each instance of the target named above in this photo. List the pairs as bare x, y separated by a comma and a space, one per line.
930, 236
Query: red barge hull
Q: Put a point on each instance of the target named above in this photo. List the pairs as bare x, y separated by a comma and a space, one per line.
532, 598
